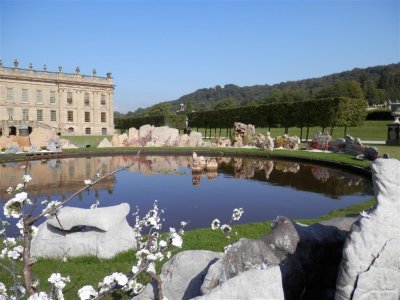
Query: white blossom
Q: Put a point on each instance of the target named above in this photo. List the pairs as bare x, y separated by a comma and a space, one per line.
15, 253
237, 214
151, 268
50, 208
58, 283
168, 255
10, 190
26, 178
162, 244
365, 214
176, 240
95, 205
135, 270
215, 224
134, 286
183, 223
39, 296
109, 281
19, 186
3, 289
226, 229
87, 182
13, 207
87, 292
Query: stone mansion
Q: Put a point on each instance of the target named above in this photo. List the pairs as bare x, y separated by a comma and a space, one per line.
71, 104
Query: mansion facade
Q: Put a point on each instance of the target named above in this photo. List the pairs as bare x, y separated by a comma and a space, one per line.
71, 104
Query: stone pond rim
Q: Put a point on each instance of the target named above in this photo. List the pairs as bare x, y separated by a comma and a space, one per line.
87, 152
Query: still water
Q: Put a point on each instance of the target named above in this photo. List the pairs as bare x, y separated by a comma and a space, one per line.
263, 188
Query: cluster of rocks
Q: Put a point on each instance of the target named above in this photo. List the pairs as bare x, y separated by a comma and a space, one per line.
323, 141
151, 136
39, 139
342, 258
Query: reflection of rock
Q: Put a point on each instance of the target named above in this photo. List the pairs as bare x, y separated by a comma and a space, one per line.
196, 179
211, 164
182, 275
370, 268
295, 249
105, 234
268, 168
287, 167
211, 175
320, 173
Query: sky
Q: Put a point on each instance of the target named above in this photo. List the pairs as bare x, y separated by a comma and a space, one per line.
161, 50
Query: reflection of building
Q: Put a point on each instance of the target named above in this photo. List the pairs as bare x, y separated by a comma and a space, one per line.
56, 176
69, 103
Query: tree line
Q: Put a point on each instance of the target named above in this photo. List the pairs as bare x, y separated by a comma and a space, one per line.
376, 85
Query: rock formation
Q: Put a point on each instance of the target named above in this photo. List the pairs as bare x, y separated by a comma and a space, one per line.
244, 135
370, 268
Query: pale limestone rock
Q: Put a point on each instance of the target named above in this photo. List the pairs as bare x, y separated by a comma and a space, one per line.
252, 284
4, 142
105, 143
39, 137
66, 144
123, 140
370, 268
115, 140
102, 218
133, 137
105, 233
183, 141
145, 134
182, 275
195, 139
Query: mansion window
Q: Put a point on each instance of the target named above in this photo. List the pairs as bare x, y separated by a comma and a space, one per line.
10, 95
70, 116
87, 116
103, 100
10, 113
52, 97
103, 117
53, 116
87, 130
24, 96
104, 131
69, 97
39, 115
25, 115
86, 99
39, 96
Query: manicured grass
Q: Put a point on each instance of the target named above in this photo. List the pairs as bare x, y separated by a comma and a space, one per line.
369, 131
91, 270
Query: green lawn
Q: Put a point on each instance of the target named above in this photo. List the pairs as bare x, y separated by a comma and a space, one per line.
369, 131
83, 141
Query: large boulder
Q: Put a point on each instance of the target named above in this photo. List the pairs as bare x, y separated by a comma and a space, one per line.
66, 144
252, 284
195, 139
163, 136
370, 268
321, 141
102, 232
144, 134
39, 137
104, 143
182, 275
133, 137
295, 248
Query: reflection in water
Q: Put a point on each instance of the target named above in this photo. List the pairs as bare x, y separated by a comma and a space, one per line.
264, 188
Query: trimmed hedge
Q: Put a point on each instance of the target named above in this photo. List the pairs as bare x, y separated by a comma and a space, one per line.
325, 112
330, 112
379, 114
173, 121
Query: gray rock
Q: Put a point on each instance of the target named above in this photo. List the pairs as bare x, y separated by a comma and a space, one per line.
252, 284
52, 241
308, 257
182, 275
370, 268
102, 218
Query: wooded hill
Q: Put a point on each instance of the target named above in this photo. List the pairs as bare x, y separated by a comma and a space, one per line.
374, 84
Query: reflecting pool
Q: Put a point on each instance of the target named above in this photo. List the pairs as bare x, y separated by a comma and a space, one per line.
264, 188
